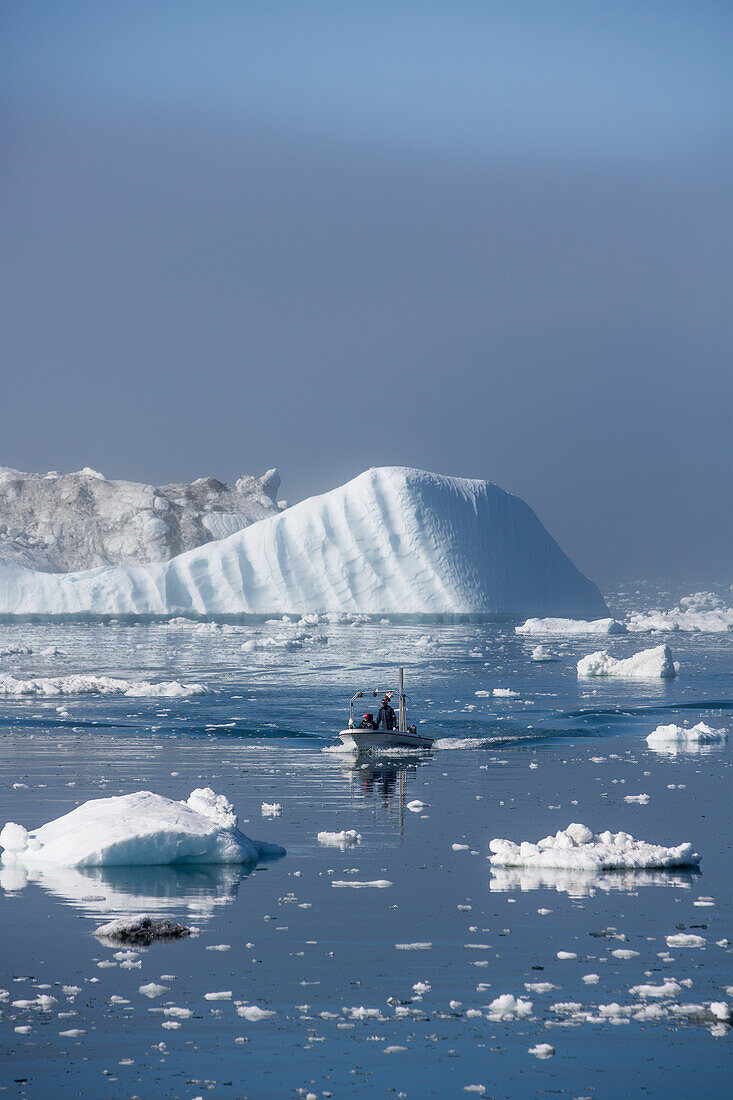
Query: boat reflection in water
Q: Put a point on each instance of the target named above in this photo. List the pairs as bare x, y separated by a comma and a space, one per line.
381, 781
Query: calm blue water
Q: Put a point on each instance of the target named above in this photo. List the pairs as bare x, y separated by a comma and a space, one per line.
311, 953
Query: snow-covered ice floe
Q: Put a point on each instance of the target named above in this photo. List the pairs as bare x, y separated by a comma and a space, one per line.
670, 738
703, 612
650, 664
442, 545
571, 626
98, 685
140, 829
578, 849
339, 840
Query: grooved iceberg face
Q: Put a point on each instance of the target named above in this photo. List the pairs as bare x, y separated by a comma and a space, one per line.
393, 540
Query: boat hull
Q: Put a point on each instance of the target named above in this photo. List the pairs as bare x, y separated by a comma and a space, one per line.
378, 740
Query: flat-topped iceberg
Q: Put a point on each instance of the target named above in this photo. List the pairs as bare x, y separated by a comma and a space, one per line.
702, 612
140, 829
543, 627
650, 664
578, 849
393, 540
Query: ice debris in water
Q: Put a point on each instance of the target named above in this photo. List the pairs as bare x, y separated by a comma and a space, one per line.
570, 626
416, 806
141, 930
98, 685
650, 664
340, 840
509, 1007
577, 848
541, 653
137, 829
542, 1050
702, 611
683, 735
271, 809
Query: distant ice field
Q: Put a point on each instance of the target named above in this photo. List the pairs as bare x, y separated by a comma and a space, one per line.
438, 972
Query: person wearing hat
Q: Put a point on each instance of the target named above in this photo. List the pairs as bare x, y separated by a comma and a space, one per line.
386, 715
367, 722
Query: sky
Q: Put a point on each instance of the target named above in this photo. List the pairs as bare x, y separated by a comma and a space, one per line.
491, 239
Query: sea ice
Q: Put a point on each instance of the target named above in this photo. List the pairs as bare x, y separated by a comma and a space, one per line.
509, 1007
650, 664
702, 611
542, 1050
570, 626
682, 939
137, 829
98, 685
340, 840
683, 736
576, 848
141, 930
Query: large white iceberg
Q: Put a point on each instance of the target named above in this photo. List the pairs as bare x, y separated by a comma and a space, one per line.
77, 684
544, 627
392, 540
140, 829
578, 849
650, 664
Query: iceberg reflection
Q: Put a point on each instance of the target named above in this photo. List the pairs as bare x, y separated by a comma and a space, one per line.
197, 891
582, 884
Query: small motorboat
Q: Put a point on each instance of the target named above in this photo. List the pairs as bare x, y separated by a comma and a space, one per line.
373, 740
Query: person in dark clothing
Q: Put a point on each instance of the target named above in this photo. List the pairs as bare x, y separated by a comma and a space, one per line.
386, 718
367, 722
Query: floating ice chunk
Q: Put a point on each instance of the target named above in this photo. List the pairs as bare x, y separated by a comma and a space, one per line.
271, 809
413, 946
509, 1007
591, 979
378, 884
577, 848
340, 840
640, 799
504, 693
98, 685
153, 990
421, 987
567, 955
649, 664
141, 930
671, 738
541, 653
222, 995
137, 829
416, 806
663, 991
685, 939
570, 626
254, 1013
542, 1050
702, 611
624, 953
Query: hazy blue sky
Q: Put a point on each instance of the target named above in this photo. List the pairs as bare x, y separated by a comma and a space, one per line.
491, 239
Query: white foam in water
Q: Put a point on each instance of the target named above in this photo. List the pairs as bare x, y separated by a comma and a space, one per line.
136, 829
98, 685
650, 664
442, 545
701, 734
548, 627
577, 848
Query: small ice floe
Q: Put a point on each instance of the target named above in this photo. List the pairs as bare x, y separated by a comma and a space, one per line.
141, 930
221, 995
664, 991
570, 626
541, 653
542, 1050
416, 806
413, 946
98, 685
140, 829
702, 611
459, 847
624, 953
685, 939
271, 809
565, 955
509, 1007
153, 990
539, 987
577, 848
340, 840
505, 693
480, 1090
591, 979
421, 987
671, 739
640, 799
377, 883
254, 1013
649, 664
